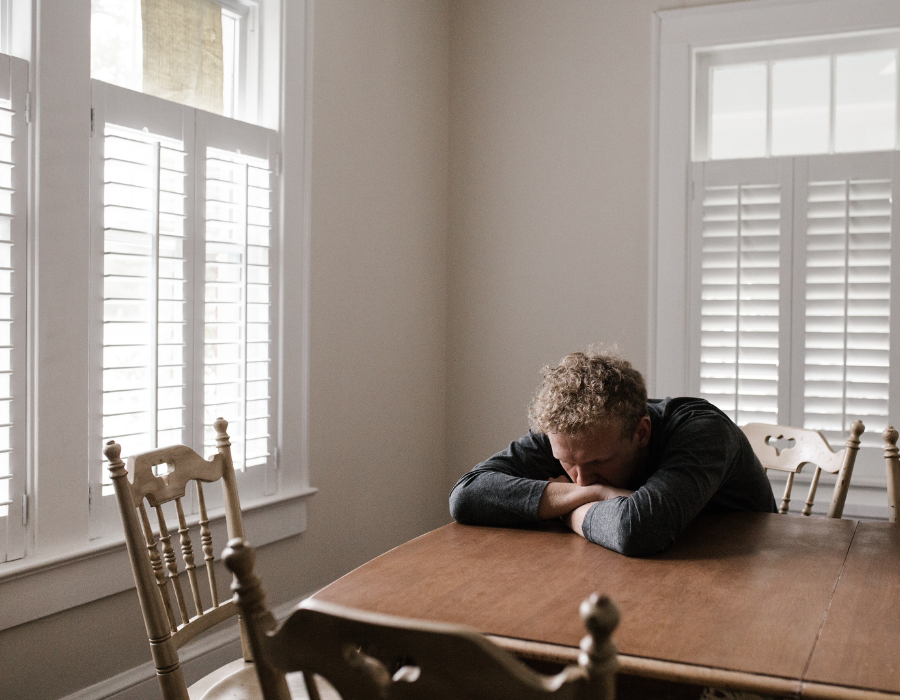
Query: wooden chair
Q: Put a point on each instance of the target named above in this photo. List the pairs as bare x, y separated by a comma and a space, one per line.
171, 623
368, 655
892, 469
809, 447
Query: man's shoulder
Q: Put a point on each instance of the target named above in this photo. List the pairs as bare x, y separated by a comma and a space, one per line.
684, 408
692, 418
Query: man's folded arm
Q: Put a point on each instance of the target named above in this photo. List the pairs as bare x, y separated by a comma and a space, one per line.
505, 490
691, 471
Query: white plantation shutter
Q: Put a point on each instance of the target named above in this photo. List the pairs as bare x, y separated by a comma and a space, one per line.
144, 290
793, 297
236, 376
239, 356
848, 294
845, 292
13, 203
141, 197
184, 265
739, 336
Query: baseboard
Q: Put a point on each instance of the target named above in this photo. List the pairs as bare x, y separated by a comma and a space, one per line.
199, 658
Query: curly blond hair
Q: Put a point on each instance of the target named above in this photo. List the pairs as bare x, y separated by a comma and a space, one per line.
586, 390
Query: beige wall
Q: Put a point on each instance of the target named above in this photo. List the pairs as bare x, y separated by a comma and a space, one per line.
549, 215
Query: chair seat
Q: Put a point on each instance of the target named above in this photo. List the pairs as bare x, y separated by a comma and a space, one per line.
238, 681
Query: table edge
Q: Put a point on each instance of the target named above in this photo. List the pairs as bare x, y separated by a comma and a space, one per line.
824, 691
662, 670
698, 675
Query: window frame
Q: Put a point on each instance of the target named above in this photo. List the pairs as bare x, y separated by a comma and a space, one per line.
678, 35
63, 568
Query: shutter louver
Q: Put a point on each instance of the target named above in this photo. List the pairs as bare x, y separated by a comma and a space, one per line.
847, 324
237, 306
740, 312
144, 291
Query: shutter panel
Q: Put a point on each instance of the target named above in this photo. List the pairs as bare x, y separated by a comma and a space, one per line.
738, 219
843, 364
13, 205
142, 256
848, 294
144, 380
239, 352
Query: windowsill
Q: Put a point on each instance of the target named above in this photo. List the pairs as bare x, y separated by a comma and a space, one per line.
32, 588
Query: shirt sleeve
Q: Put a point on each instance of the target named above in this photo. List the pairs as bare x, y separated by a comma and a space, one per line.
505, 490
693, 466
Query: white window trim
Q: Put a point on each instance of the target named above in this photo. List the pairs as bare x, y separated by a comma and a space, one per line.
677, 34
59, 573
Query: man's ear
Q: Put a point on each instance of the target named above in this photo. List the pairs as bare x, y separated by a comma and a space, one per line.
642, 432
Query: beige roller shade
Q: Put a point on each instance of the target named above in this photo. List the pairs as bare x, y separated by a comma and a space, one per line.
183, 52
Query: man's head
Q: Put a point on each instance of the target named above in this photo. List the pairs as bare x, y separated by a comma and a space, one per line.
593, 407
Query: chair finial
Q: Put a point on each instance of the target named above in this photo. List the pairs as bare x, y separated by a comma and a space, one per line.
856, 429
598, 652
222, 440
890, 436
113, 453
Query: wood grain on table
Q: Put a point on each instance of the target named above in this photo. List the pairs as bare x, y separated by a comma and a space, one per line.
858, 646
739, 591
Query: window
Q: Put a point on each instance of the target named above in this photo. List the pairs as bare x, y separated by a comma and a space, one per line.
835, 95
182, 220
13, 189
96, 194
788, 278
202, 53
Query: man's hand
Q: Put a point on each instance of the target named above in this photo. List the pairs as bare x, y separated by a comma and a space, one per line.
562, 497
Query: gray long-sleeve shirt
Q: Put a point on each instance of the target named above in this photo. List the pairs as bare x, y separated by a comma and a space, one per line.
698, 459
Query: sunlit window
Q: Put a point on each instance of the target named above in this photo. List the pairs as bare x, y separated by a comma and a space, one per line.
186, 51
784, 104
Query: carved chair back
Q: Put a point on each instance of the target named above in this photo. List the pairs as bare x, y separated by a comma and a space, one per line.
368, 655
174, 613
788, 449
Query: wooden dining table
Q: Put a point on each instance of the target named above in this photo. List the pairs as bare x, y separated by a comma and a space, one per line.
775, 604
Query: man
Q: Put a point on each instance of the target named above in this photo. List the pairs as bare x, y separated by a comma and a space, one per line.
626, 473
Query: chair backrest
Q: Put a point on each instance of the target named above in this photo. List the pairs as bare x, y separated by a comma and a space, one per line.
892, 470
788, 449
368, 655
157, 576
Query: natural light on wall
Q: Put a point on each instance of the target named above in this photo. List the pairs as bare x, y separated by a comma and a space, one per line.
186, 51
841, 103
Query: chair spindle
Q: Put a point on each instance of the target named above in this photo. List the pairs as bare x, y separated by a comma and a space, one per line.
187, 554
807, 509
207, 544
156, 562
787, 493
842, 485
171, 564
892, 468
